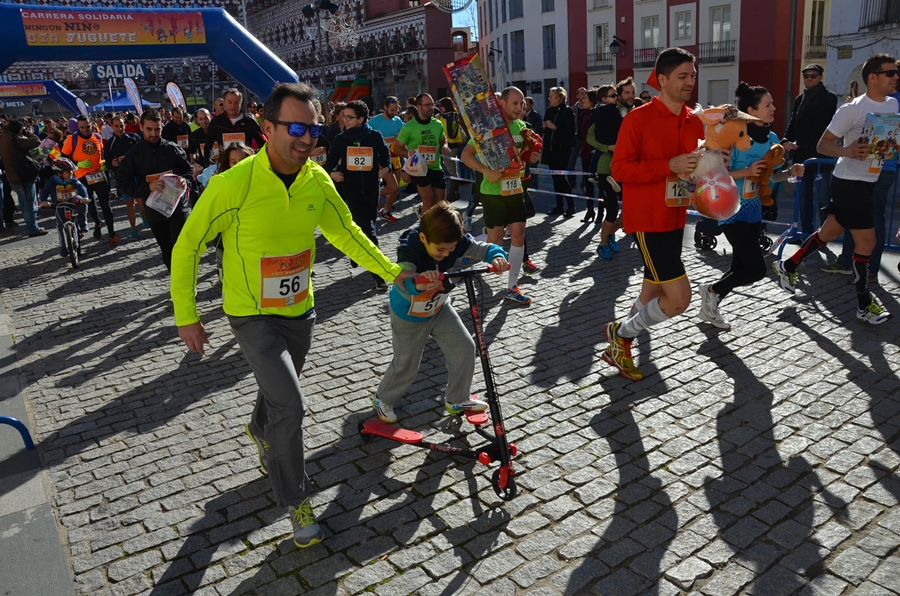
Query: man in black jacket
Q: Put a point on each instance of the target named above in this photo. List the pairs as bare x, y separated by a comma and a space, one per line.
813, 110
114, 150
357, 159
197, 147
230, 126
139, 175
177, 130
534, 120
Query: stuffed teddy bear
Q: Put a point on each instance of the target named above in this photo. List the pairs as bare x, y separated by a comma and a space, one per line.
774, 159
531, 143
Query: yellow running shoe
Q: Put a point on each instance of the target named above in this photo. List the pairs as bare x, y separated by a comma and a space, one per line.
618, 353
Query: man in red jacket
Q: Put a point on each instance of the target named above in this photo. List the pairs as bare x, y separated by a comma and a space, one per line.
654, 146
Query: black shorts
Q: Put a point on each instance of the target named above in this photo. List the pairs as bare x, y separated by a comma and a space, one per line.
434, 179
501, 211
851, 203
662, 255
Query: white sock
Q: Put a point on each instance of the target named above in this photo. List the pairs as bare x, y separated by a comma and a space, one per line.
636, 307
516, 257
650, 315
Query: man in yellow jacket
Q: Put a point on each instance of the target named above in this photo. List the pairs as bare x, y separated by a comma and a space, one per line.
267, 208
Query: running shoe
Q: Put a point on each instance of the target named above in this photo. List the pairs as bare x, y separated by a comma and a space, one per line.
146, 225
618, 353
836, 267
473, 404
135, 235
874, 313
381, 286
604, 253
787, 281
529, 267
709, 308
261, 448
114, 239
386, 216
613, 245
418, 211
97, 233
306, 531
613, 184
514, 294
468, 222
384, 411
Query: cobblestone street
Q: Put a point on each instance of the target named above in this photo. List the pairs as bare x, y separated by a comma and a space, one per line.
762, 460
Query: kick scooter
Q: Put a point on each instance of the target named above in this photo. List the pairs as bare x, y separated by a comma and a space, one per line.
498, 448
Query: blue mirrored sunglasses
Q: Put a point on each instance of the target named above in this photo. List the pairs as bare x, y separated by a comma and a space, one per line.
298, 129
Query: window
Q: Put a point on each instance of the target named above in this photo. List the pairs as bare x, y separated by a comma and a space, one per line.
720, 21
517, 47
718, 93
683, 25
601, 39
548, 6
490, 11
503, 10
549, 46
515, 9
650, 26
817, 23
505, 52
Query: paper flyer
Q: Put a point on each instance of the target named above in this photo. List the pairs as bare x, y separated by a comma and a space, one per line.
880, 133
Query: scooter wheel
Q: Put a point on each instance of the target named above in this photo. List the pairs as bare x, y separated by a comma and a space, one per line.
505, 494
765, 242
708, 243
366, 437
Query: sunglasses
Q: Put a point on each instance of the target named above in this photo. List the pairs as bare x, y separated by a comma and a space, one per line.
391, 100
612, 95
889, 73
812, 75
298, 129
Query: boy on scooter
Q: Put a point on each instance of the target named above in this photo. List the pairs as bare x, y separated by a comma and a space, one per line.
422, 311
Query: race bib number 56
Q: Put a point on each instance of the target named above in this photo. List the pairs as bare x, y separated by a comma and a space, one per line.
284, 280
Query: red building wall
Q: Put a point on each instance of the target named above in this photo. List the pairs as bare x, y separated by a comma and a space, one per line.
380, 8
764, 53
577, 47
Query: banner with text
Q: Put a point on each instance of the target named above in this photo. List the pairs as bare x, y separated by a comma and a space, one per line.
22, 90
50, 27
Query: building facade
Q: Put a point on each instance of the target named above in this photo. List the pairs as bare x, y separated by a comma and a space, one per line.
856, 30
401, 46
733, 40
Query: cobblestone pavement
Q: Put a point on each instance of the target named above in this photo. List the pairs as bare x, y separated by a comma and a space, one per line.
762, 460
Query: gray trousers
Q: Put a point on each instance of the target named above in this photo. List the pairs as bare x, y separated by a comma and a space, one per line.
409, 339
276, 349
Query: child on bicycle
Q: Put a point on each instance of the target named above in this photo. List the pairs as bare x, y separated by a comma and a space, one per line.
64, 188
422, 311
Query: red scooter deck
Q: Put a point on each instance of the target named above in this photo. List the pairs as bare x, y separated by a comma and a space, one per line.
477, 418
382, 429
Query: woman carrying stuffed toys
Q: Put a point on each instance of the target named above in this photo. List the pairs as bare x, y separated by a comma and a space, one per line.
743, 229
423, 311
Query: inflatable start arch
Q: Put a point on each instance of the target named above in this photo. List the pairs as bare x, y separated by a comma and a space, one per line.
39, 90
41, 33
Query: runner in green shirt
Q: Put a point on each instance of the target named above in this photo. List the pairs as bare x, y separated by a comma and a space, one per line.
503, 199
425, 134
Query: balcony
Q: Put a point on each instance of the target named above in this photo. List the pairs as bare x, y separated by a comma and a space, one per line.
879, 13
600, 62
717, 52
646, 57
598, 4
815, 47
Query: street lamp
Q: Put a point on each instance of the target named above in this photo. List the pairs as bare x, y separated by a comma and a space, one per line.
492, 58
313, 10
617, 43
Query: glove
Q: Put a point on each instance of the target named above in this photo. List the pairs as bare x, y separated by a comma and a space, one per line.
84, 164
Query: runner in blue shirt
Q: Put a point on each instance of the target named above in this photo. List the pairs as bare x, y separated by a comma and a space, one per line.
389, 125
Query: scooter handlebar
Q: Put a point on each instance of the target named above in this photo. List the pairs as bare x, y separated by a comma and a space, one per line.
421, 279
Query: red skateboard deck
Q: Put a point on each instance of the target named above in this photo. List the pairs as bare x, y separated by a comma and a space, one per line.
382, 429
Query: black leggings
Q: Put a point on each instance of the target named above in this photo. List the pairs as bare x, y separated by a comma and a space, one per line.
100, 192
747, 263
609, 200
166, 233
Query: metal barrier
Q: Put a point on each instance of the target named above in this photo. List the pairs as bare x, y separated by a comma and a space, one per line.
23, 430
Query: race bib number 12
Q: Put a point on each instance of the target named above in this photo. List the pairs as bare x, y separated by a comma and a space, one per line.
284, 281
676, 196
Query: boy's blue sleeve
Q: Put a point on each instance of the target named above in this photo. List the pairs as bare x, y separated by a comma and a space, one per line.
81, 189
49, 189
493, 252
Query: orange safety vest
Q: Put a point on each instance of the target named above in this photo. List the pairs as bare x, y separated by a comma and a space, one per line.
82, 149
